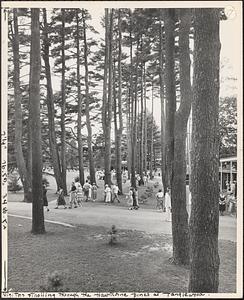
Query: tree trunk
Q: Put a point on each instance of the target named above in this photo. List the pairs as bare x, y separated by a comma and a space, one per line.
161, 78
145, 118
134, 126
142, 123
88, 122
37, 206
63, 107
118, 130
170, 93
79, 136
151, 143
180, 229
50, 107
204, 220
107, 98
128, 131
21, 164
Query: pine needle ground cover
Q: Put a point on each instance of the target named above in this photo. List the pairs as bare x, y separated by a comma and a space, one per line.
138, 262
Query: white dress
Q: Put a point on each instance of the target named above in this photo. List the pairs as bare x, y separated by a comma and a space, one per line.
108, 194
168, 207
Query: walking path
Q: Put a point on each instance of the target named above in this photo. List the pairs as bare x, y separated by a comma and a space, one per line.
99, 214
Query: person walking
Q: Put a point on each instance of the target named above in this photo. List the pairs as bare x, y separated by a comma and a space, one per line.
86, 189
73, 196
94, 192
44, 196
115, 190
79, 193
130, 198
60, 200
159, 199
107, 192
136, 199
168, 205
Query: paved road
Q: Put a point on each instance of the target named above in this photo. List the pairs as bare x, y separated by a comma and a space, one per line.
106, 215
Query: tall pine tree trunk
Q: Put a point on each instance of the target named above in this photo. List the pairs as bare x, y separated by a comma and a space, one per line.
204, 220
145, 119
134, 126
128, 130
180, 228
63, 106
161, 78
21, 164
37, 205
107, 94
105, 110
50, 106
151, 142
170, 93
88, 122
79, 136
120, 128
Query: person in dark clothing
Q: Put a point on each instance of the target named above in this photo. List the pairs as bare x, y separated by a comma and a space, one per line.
222, 203
44, 196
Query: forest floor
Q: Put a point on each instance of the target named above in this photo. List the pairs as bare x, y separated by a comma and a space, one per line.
139, 262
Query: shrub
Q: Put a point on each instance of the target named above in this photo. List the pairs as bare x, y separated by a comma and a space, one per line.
13, 185
53, 283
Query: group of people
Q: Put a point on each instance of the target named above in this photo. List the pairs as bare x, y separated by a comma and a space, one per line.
164, 202
111, 193
77, 194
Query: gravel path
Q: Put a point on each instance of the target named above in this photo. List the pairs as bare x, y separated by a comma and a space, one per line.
100, 214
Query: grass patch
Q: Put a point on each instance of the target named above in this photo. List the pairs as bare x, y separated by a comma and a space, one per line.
137, 263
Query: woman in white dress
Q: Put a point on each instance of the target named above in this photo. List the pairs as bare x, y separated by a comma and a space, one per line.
168, 205
107, 192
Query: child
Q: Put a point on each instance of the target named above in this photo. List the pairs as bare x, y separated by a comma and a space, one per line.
94, 192
61, 200
160, 199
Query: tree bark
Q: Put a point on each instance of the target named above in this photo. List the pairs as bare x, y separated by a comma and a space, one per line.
50, 107
87, 109
161, 78
204, 220
63, 107
79, 136
180, 229
37, 206
21, 164
145, 119
170, 93
151, 142
107, 95
118, 129
134, 126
